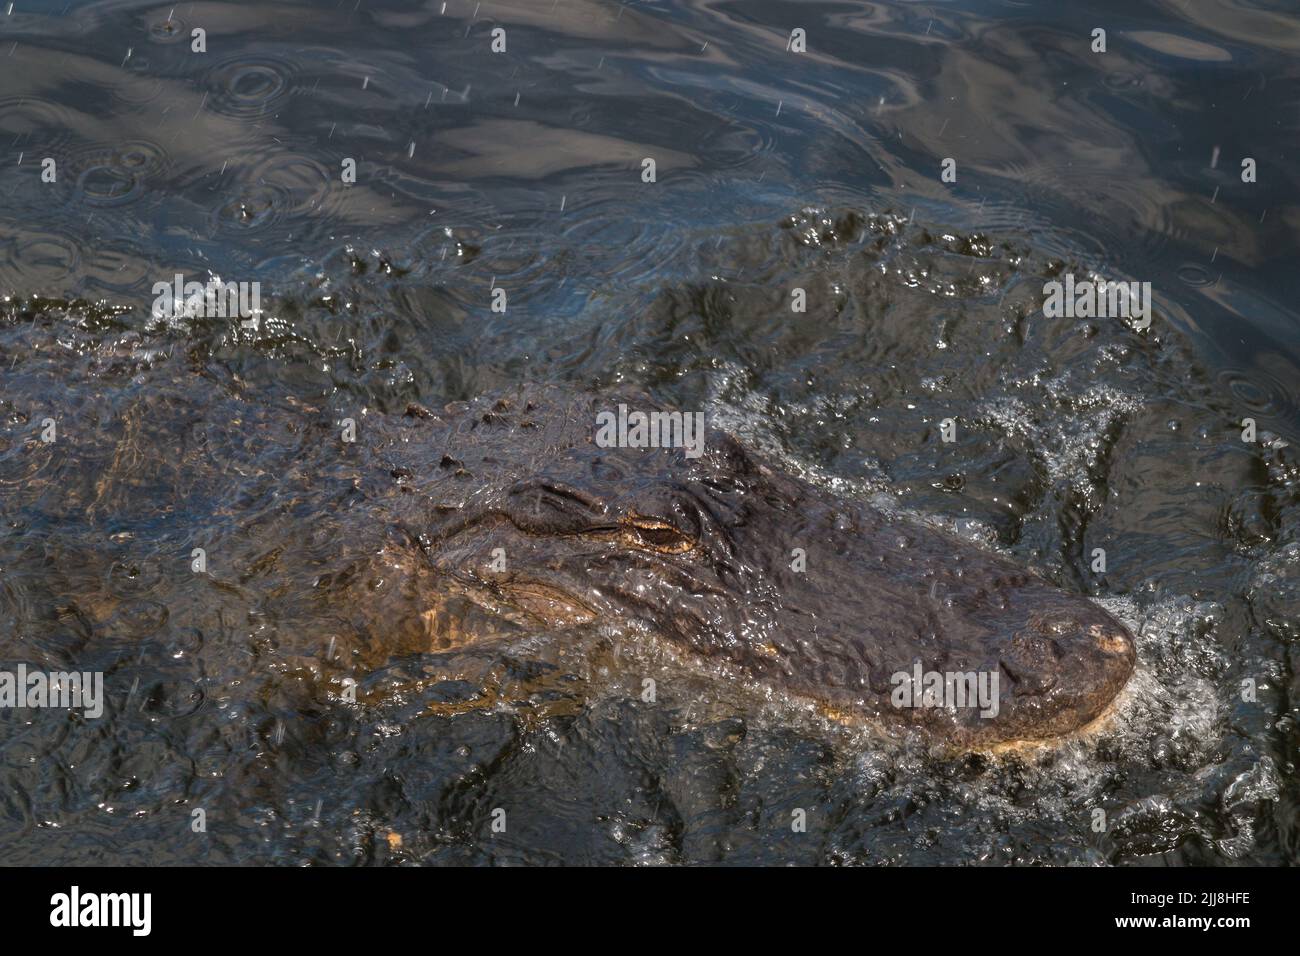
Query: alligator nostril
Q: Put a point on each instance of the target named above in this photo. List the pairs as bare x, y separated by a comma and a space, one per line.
1033, 662
1035, 646
1059, 626
1110, 640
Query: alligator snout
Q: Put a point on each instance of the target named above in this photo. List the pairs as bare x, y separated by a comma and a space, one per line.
1063, 668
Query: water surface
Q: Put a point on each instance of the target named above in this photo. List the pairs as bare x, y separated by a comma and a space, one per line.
523, 171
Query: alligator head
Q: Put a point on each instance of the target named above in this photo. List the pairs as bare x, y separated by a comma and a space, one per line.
518, 510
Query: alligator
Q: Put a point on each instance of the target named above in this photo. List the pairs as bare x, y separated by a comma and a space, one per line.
429, 531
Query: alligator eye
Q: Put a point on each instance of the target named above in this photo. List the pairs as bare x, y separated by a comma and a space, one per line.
656, 534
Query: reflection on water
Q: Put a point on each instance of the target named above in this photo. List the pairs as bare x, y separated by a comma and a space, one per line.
523, 171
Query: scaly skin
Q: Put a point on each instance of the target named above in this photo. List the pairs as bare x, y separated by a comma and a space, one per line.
702, 549
385, 546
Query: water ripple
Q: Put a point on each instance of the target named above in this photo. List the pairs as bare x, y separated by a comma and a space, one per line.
250, 86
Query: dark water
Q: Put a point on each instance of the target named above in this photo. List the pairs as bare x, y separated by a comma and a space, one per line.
522, 171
